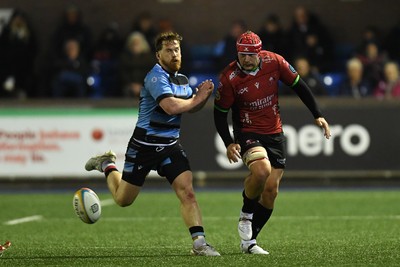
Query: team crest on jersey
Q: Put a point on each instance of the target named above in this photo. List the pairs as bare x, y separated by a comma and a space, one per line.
217, 95
271, 80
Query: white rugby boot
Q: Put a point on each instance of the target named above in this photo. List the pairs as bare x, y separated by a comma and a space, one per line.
94, 163
205, 250
201, 248
251, 247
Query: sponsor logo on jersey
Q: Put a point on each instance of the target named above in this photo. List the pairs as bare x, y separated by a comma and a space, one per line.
233, 74
243, 90
246, 119
260, 103
267, 59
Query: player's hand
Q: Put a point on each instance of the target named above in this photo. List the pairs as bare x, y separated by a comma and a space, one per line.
233, 153
321, 122
205, 88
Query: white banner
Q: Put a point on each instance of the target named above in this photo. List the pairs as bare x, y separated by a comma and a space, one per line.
51, 145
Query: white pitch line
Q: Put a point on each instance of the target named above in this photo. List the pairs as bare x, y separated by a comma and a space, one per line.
215, 218
107, 202
24, 220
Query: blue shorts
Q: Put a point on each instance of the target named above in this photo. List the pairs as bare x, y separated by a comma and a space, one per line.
169, 161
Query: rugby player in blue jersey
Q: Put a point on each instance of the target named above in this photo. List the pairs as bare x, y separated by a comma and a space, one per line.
155, 144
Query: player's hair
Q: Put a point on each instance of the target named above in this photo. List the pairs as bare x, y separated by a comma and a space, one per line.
166, 37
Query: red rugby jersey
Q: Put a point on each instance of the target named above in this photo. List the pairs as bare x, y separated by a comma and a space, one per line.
253, 97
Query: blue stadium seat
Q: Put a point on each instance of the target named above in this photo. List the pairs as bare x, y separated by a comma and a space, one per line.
196, 78
203, 58
332, 82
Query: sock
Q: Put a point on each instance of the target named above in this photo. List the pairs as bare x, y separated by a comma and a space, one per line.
245, 215
198, 236
248, 204
108, 166
260, 218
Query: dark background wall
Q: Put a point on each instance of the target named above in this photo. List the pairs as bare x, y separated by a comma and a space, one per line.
204, 21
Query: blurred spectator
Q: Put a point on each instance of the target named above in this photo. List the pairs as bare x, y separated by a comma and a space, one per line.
392, 42
373, 61
18, 49
272, 35
145, 25
370, 35
228, 45
106, 53
72, 27
136, 60
355, 85
389, 87
309, 38
302, 66
165, 25
71, 72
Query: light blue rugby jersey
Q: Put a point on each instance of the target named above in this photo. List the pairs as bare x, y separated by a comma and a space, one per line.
159, 84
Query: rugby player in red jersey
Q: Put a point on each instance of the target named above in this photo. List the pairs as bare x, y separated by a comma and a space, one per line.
249, 87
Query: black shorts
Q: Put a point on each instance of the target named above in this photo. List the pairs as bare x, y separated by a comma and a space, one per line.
169, 161
275, 144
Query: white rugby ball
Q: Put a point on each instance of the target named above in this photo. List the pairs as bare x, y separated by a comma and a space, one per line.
87, 205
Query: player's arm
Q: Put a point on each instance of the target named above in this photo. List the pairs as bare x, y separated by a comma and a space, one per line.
173, 105
221, 124
224, 97
305, 94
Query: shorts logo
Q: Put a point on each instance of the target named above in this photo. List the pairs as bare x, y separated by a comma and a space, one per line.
251, 141
281, 161
154, 79
159, 148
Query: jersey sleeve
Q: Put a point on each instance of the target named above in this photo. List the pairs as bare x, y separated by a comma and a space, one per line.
224, 96
159, 87
288, 75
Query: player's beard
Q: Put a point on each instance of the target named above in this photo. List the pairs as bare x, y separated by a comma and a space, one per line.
173, 65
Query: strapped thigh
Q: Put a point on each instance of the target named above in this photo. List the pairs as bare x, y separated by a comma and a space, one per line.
254, 154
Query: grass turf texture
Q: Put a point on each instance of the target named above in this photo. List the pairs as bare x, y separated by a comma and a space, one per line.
308, 228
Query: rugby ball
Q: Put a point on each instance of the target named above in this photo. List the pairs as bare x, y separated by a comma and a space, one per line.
87, 205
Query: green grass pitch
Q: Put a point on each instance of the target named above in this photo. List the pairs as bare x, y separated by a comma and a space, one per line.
308, 228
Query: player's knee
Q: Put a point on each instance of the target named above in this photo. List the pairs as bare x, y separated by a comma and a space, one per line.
123, 202
187, 195
260, 174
